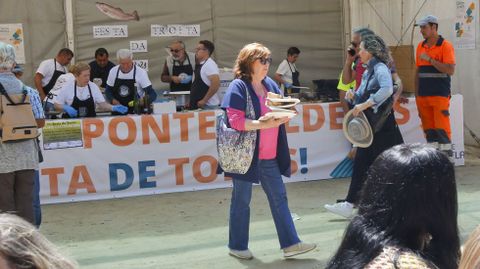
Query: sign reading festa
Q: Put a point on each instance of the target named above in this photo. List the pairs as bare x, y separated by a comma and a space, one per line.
151, 154
175, 30
109, 31
13, 34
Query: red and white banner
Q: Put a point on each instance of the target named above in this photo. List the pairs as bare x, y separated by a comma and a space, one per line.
151, 154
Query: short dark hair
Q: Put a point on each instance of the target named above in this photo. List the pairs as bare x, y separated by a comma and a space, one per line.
432, 24
293, 51
208, 45
66, 51
101, 52
409, 194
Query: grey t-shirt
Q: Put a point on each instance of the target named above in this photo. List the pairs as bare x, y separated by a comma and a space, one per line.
18, 155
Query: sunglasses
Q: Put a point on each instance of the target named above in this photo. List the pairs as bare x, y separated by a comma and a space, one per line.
175, 50
264, 61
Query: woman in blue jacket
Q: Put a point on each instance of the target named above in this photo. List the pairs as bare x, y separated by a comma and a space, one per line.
271, 159
375, 89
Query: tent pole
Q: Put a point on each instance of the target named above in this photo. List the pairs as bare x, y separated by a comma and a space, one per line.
347, 24
69, 26
402, 18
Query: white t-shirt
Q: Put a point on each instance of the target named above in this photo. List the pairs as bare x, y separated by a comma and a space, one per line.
67, 93
141, 78
285, 71
209, 68
47, 68
61, 81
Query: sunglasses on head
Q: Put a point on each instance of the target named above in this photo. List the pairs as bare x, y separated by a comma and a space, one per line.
264, 61
175, 50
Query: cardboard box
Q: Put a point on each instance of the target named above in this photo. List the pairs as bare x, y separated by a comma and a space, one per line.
404, 57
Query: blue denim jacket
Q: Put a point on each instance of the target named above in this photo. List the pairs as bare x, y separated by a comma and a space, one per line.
380, 84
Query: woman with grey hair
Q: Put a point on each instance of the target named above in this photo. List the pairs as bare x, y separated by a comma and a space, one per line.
22, 246
376, 89
18, 159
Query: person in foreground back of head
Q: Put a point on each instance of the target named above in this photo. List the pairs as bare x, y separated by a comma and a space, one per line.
407, 216
471, 251
23, 246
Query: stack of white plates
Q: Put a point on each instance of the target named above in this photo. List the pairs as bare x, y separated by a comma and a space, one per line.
281, 107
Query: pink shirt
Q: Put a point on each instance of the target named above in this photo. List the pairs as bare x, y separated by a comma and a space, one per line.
268, 137
360, 69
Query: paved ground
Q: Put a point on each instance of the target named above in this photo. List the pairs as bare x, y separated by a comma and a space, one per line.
189, 230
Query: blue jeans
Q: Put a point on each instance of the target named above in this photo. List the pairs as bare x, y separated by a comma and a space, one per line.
272, 184
37, 211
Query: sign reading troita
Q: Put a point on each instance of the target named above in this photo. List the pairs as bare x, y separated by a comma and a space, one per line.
175, 30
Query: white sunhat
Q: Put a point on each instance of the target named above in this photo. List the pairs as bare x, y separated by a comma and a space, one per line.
357, 129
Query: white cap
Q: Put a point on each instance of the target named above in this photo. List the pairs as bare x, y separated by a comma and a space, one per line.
426, 20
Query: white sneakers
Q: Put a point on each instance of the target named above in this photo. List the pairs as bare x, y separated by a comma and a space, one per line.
288, 252
298, 249
241, 254
344, 209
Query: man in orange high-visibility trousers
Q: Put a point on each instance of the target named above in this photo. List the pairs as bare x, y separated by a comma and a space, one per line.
435, 60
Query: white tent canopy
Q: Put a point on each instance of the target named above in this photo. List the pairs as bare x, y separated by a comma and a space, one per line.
315, 27
319, 28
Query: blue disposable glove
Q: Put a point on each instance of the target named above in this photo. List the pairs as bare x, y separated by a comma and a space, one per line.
120, 109
287, 85
72, 112
186, 79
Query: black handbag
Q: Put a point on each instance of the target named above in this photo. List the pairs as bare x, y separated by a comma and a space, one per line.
377, 120
40, 155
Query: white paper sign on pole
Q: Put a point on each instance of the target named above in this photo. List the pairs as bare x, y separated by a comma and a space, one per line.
138, 46
466, 24
109, 31
13, 34
142, 63
158, 30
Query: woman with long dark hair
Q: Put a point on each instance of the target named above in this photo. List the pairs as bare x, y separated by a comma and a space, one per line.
407, 216
375, 91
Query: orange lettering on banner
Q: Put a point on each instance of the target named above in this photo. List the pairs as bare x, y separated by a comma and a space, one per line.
402, 111
131, 131
335, 115
149, 123
293, 164
183, 117
197, 172
179, 169
307, 110
291, 128
76, 184
52, 174
204, 124
88, 133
